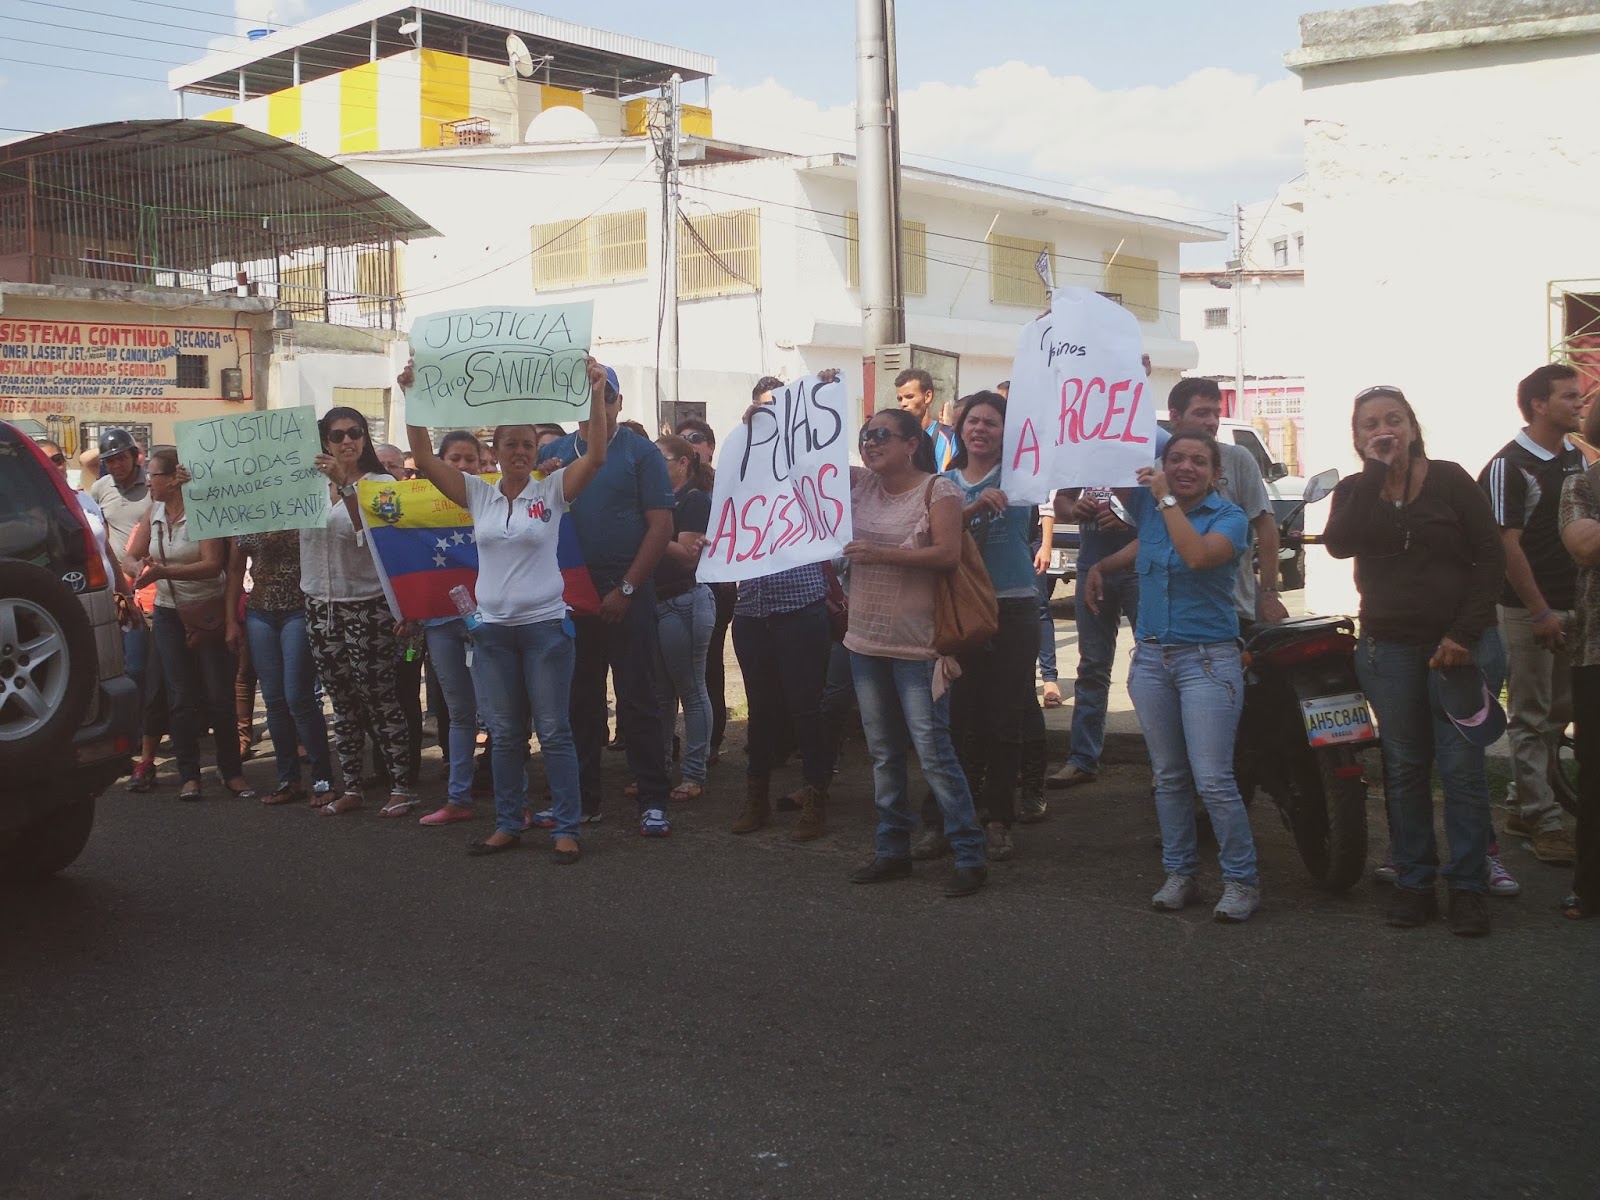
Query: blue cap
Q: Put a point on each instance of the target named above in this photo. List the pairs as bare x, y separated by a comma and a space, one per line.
1464, 695
611, 378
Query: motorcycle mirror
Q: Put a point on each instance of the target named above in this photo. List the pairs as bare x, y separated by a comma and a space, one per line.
1321, 484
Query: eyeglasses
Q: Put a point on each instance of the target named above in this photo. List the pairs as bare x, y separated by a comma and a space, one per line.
878, 436
58, 459
338, 435
693, 437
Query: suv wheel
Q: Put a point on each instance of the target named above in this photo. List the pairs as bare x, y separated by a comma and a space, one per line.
49, 667
50, 844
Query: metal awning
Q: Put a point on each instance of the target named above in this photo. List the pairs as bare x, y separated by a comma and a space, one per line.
580, 58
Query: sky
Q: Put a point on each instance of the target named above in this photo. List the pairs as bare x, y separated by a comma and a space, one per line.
1161, 106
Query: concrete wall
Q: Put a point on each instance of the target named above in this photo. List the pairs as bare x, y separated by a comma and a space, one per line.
1444, 190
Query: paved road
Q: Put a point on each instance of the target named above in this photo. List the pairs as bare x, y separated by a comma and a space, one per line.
222, 1000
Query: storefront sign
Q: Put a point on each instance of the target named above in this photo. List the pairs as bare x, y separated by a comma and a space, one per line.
89, 368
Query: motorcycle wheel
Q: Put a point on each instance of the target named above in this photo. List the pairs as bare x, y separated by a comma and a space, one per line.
1328, 816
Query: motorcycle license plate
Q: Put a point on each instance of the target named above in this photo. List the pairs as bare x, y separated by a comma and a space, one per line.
1334, 720
1060, 560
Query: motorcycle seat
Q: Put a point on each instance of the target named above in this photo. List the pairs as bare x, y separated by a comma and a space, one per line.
1262, 638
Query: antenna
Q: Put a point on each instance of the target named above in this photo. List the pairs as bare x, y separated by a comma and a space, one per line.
520, 57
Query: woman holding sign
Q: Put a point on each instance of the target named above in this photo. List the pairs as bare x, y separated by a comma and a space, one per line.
526, 635
1187, 680
907, 522
352, 632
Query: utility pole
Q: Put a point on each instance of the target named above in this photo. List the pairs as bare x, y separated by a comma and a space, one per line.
667, 380
883, 317
1238, 312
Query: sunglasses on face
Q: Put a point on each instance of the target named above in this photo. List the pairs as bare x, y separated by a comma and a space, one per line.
693, 438
338, 435
878, 437
1382, 389
58, 459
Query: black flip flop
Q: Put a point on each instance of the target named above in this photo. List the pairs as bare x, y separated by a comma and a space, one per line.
485, 848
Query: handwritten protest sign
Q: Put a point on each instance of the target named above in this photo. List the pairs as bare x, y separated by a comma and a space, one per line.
782, 497
497, 366
252, 472
1080, 410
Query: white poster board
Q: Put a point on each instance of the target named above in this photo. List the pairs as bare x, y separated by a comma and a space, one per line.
1080, 411
782, 497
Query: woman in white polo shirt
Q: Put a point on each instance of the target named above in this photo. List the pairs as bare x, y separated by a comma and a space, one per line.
526, 637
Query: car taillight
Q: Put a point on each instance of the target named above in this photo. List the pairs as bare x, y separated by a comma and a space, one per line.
94, 564
1312, 647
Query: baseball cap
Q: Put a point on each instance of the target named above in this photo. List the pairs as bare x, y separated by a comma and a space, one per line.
611, 378
1464, 696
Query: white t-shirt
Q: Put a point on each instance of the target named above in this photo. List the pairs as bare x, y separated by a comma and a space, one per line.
519, 579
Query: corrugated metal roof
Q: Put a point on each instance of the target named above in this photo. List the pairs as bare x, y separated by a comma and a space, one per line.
611, 63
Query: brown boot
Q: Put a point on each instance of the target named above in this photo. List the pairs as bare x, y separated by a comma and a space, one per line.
813, 822
757, 811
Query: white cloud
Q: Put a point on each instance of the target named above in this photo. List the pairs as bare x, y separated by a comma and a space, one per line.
1148, 148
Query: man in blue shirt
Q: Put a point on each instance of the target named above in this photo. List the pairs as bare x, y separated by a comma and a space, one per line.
624, 522
913, 391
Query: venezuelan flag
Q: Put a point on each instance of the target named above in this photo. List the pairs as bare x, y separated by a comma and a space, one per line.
423, 547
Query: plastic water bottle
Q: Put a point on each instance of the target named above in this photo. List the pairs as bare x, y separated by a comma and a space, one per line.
461, 597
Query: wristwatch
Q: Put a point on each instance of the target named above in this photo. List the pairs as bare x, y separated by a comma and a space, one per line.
1169, 501
625, 588
348, 490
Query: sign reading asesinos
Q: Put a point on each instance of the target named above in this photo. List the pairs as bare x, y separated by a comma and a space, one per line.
252, 472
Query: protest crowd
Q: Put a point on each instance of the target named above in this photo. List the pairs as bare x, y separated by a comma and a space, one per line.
596, 562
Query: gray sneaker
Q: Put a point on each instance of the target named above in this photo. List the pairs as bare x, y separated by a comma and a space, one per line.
1238, 901
1176, 893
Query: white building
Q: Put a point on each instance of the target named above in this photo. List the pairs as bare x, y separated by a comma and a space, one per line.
1251, 321
1453, 199
549, 190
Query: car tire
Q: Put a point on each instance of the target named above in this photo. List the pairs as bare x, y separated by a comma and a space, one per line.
50, 844
49, 667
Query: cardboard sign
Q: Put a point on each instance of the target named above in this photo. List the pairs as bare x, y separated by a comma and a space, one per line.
253, 472
1081, 411
500, 366
782, 497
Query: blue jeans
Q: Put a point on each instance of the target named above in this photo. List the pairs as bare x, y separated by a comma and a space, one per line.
281, 654
448, 647
1417, 736
1188, 700
838, 696
199, 694
898, 712
1047, 626
683, 627
1097, 651
527, 674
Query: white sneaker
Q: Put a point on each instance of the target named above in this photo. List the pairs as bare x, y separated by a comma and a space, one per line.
1176, 893
1501, 881
1238, 901
1387, 874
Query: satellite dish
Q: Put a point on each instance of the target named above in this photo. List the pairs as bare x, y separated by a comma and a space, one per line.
520, 57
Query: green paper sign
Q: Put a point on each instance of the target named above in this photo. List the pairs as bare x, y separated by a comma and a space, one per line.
252, 472
500, 366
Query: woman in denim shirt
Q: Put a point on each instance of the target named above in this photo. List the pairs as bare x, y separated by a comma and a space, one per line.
1186, 681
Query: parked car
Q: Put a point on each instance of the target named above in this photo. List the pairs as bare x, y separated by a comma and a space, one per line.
68, 713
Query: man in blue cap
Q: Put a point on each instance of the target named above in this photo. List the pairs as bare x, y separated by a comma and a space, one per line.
624, 522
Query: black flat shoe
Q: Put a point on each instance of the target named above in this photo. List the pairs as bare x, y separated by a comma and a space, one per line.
882, 870
964, 881
483, 849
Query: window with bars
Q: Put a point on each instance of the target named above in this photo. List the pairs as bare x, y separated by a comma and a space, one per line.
303, 288
719, 254
1139, 282
194, 371
374, 284
1216, 318
913, 254
1280, 252
604, 248
1013, 275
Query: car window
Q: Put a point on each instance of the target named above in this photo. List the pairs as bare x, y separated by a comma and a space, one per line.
35, 525
1248, 439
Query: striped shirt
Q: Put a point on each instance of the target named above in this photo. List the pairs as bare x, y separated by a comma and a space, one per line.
1523, 482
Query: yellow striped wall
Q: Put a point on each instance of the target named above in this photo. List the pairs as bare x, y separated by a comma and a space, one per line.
404, 101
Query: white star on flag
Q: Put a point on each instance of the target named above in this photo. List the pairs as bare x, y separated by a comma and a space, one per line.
443, 543
458, 537
438, 560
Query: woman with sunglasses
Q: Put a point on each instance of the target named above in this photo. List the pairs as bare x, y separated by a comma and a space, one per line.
352, 633
198, 671
525, 647
1429, 567
908, 527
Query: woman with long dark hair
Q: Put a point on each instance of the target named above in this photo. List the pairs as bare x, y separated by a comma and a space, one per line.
352, 632
1429, 567
908, 525
724, 595
198, 668
685, 614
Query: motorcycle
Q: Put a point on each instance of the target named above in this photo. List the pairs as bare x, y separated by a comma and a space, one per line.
1303, 724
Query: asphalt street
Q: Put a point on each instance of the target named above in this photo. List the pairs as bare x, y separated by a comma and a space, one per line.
224, 1000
